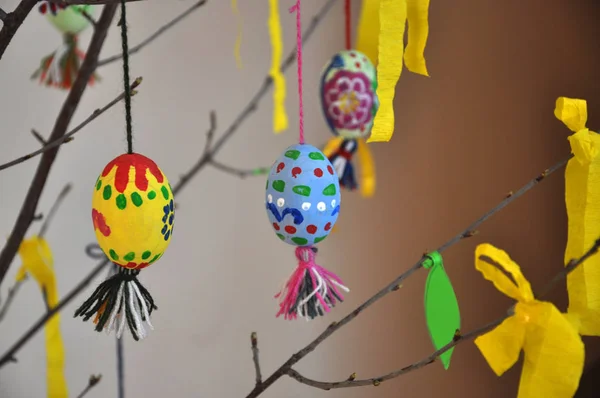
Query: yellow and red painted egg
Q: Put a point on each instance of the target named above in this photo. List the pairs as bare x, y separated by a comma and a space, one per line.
133, 211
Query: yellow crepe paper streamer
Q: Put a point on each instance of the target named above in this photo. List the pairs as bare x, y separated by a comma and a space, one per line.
582, 197
554, 352
37, 261
280, 119
367, 35
238, 39
365, 162
393, 14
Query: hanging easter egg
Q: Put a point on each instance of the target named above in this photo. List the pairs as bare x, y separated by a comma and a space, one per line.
303, 196
61, 68
70, 20
133, 215
348, 94
132, 211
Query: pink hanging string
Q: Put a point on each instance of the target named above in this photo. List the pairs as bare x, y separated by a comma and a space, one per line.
296, 8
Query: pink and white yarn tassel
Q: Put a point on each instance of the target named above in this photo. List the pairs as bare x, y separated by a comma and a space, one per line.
311, 290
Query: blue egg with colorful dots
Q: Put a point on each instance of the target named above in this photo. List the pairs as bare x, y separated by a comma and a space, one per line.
303, 196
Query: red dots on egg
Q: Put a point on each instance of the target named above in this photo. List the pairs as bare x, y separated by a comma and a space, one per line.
327, 226
280, 167
352, 55
357, 64
276, 226
296, 171
311, 229
318, 172
290, 230
330, 170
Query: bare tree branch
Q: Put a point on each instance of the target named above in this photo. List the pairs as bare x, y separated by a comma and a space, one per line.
94, 380
155, 35
12, 292
255, 359
241, 173
3, 14
68, 136
574, 263
200, 164
13, 21
60, 127
393, 286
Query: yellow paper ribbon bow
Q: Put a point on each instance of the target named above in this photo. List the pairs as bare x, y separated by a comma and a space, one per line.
393, 14
554, 352
37, 261
366, 166
280, 119
582, 197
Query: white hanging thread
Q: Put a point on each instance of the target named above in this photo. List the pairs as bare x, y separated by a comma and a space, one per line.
54, 69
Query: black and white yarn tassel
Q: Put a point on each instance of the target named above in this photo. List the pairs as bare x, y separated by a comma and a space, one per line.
120, 300
341, 161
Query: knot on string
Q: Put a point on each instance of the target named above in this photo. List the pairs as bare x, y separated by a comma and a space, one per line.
311, 290
306, 256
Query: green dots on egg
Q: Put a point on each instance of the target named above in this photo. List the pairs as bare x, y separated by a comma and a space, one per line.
280, 236
98, 184
107, 192
136, 199
155, 258
299, 241
292, 154
121, 201
316, 156
329, 190
113, 255
151, 195
129, 256
165, 192
303, 190
279, 185
320, 238
146, 255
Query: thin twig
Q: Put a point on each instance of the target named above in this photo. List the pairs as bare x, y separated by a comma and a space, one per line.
3, 14
203, 161
210, 135
155, 35
91, 383
39, 137
13, 21
90, 19
241, 173
574, 263
61, 196
255, 359
468, 232
68, 136
67, 111
12, 292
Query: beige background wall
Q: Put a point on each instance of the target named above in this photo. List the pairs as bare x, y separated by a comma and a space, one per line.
482, 125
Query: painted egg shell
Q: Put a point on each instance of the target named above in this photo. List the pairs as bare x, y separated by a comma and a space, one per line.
303, 196
132, 211
71, 19
348, 94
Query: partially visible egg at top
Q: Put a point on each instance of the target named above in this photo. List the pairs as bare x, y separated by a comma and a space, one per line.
133, 211
349, 94
71, 19
302, 196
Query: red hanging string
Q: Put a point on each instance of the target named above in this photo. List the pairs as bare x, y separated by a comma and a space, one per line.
296, 9
348, 28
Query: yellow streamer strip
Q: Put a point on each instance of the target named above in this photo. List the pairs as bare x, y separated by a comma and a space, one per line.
393, 14
238, 39
37, 261
554, 352
367, 169
582, 197
367, 35
280, 119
